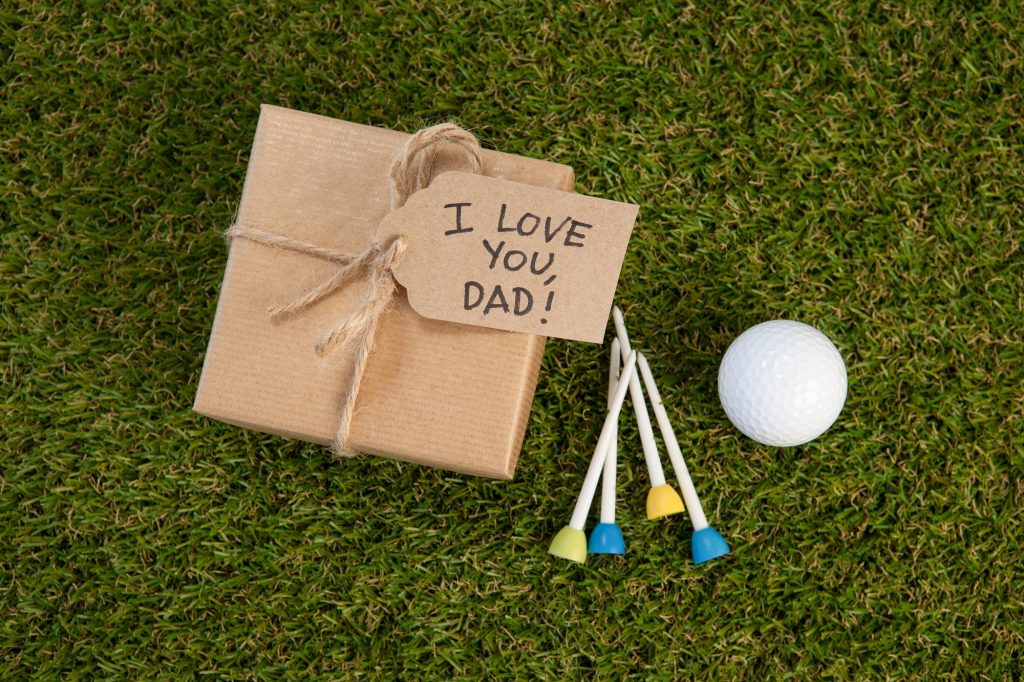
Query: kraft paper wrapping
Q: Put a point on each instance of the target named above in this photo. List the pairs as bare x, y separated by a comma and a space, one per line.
446, 395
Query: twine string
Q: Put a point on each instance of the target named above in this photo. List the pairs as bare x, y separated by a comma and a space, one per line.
410, 172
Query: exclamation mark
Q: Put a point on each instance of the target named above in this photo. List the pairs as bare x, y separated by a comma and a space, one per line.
547, 307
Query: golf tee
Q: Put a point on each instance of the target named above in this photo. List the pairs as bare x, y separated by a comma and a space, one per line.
610, 463
668, 435
643, 420
586, 498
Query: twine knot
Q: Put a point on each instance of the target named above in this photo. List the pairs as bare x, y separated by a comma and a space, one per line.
410, 172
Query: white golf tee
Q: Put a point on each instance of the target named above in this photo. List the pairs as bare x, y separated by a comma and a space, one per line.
668, 435
586, 498
643, 420
610, 463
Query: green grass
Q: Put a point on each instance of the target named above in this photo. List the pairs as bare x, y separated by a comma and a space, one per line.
857, 166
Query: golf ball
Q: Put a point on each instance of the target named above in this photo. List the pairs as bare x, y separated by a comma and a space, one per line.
782, 383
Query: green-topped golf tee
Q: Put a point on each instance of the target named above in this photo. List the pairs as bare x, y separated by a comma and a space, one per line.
571, 542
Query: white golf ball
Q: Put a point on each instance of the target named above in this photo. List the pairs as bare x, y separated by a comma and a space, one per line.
782, 383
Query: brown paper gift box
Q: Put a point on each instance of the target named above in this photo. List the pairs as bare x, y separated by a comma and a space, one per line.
451, 396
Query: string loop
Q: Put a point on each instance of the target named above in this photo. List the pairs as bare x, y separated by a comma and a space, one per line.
410, 172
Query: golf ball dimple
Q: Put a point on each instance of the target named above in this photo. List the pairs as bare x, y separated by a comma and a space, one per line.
782, 383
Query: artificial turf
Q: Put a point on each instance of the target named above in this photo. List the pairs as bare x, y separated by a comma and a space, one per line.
856, 166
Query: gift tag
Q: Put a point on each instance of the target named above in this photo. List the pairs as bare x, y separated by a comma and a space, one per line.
495, 253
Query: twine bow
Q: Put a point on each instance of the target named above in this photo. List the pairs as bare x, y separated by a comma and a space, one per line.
410, 172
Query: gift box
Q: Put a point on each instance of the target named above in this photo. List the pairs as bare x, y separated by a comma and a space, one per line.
447, 395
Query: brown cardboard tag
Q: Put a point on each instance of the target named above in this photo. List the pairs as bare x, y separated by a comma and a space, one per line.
495, 253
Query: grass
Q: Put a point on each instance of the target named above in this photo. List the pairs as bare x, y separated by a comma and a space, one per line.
857, 166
